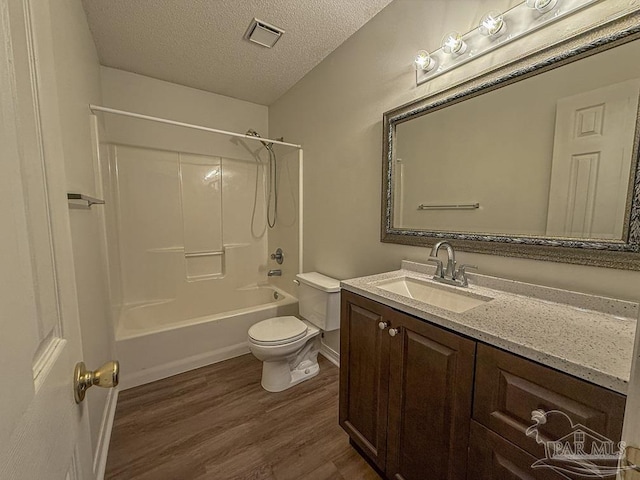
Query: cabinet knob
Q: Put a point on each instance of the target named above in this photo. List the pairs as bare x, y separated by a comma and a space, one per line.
383, 325
539, 416
394, 331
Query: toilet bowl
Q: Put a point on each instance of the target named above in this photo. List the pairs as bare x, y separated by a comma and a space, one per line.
288, 346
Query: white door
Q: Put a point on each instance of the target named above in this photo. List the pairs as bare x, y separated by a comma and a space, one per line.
43, 433
591, 165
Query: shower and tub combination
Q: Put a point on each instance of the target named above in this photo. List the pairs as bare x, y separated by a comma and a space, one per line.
189, 272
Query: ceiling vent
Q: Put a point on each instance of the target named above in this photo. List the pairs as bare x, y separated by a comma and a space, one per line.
263, 33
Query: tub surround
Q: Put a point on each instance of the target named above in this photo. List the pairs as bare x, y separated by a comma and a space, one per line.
587, 336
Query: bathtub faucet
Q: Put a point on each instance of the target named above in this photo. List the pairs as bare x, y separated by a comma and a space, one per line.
274, 273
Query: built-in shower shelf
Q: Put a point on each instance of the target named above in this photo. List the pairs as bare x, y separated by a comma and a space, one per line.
166, 250
204, 254
236, 245
80, 199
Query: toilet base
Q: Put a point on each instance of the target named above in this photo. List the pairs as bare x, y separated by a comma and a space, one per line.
278, 376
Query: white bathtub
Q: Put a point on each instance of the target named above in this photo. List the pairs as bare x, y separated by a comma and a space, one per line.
164, 338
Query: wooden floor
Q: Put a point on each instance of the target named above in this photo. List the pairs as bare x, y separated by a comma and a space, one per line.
218, 423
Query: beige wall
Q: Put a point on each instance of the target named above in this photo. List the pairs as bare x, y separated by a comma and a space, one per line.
336, 110
78, 80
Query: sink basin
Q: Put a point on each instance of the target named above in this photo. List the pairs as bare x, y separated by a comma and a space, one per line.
441, 296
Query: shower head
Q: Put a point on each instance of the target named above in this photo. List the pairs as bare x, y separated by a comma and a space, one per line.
252, 133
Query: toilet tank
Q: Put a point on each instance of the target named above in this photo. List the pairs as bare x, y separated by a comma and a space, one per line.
319, 300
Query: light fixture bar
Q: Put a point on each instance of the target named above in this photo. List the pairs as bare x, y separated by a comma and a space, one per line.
519, 21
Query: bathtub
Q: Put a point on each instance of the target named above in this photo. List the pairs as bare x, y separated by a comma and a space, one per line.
159, 339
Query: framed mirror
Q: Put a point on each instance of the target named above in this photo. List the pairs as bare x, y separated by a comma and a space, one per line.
536, 159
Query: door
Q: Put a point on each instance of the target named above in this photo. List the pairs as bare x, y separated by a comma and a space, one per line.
592, 151
364, 352
430, 394
43, 433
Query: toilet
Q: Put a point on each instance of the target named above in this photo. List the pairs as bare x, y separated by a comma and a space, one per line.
288, 346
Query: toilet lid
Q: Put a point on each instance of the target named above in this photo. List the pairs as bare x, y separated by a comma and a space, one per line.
277, 330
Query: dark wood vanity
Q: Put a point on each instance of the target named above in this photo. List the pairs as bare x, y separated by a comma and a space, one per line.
421, 402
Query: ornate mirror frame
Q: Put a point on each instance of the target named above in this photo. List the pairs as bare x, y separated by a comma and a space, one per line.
624, 254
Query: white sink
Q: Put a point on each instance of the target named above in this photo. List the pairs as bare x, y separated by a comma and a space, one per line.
441, 296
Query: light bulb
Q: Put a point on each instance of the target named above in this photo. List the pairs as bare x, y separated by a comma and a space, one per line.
492, 24
453, 44
423, 61
543, 6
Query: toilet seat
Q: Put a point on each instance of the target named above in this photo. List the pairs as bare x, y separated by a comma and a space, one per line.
277, 331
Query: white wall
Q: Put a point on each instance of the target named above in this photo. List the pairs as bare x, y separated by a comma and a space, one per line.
78, 80
336, 110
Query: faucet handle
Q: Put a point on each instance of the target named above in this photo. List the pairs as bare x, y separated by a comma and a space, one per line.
461, 273
439, 268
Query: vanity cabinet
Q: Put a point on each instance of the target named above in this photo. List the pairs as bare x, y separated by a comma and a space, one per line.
421, 402
406, 391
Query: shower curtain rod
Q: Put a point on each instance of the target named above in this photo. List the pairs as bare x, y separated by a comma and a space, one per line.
97, 108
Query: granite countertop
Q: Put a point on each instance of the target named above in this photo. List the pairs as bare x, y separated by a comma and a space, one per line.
587, 336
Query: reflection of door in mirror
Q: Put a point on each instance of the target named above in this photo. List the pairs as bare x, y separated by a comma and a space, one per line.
591, 162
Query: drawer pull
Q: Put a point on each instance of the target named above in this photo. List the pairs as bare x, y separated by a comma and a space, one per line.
539, 416
383, 325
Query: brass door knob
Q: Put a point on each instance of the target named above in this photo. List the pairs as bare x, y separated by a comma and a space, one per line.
107, 376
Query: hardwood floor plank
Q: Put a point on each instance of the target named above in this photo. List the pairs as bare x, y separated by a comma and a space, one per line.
218, 423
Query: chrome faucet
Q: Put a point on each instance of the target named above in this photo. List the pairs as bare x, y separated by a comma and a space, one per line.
451, 259
449, 274
274, 273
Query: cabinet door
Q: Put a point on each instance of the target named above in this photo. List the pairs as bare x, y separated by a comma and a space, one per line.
364, 370
430, 392
491, 457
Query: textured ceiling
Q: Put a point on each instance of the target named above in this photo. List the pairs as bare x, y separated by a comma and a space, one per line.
199, 43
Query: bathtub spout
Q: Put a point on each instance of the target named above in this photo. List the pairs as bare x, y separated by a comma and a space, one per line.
274, 273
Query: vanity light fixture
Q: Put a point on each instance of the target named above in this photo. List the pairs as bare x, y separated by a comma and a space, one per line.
423, 61
452, 44
494, 30
492, 24
542, 6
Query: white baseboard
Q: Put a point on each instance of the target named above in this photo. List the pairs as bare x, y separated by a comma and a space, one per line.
159, 372
330, 354
104, 438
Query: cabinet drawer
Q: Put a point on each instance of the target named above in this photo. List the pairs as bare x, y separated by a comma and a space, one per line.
509, 389
491, 457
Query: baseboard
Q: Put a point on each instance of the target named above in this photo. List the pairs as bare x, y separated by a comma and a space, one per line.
159, 372
330, 354
104, 438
